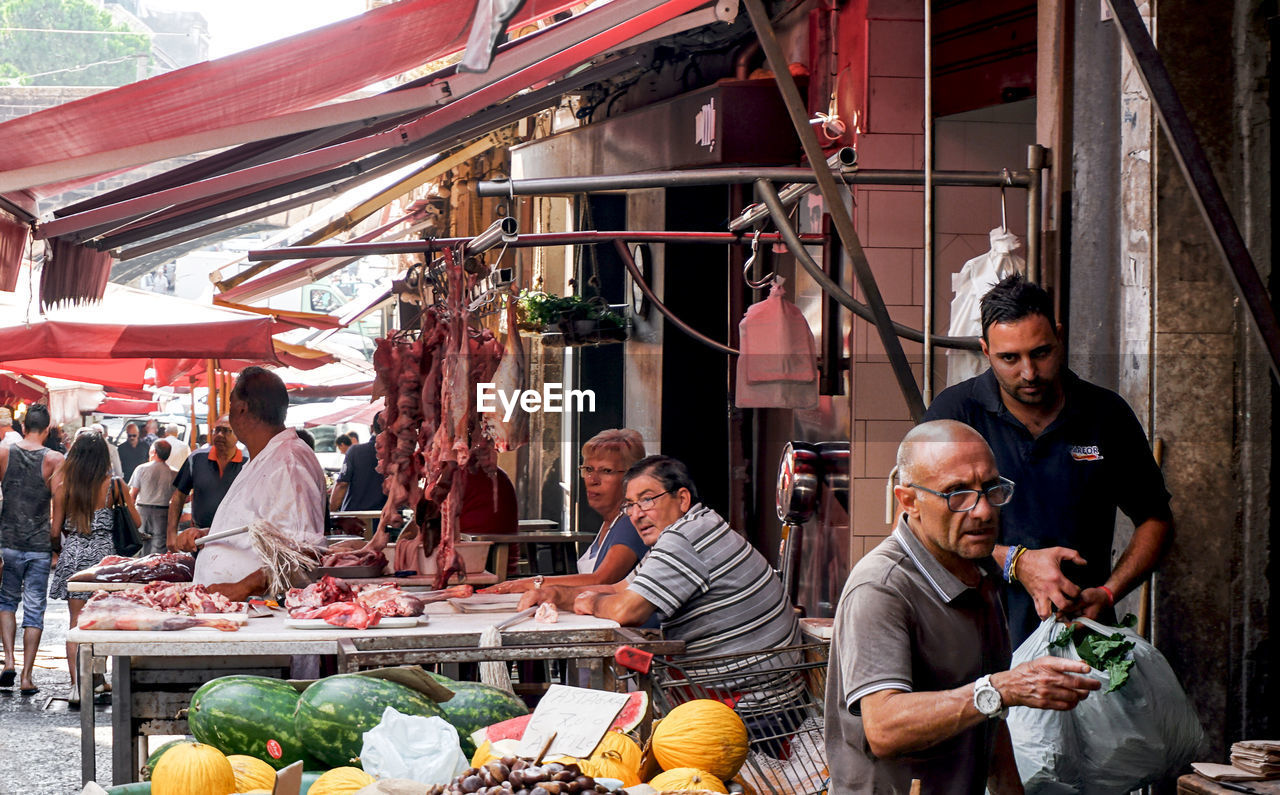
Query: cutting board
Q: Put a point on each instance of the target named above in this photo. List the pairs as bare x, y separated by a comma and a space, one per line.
487, 603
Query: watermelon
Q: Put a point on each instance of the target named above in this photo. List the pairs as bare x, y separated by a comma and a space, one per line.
334, 713
630, 717
475, 706
251, 715
156, 754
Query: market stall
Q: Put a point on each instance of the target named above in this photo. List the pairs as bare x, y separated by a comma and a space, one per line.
153, 673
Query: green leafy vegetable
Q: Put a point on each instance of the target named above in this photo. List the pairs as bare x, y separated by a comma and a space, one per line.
1110, 653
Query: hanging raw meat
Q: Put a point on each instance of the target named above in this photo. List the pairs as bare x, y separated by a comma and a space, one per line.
510, 379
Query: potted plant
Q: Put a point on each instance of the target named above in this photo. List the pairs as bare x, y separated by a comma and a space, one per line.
570, 320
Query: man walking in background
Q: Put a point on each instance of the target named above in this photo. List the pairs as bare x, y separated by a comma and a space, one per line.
27, 471
152, 487
132, 451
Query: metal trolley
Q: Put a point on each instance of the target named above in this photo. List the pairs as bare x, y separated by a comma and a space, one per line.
779, 696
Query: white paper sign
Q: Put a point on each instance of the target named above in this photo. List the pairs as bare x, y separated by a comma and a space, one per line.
577, 716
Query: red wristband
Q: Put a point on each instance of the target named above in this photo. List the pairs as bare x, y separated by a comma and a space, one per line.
1111, 597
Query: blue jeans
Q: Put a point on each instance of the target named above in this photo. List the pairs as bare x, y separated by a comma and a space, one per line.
26, 577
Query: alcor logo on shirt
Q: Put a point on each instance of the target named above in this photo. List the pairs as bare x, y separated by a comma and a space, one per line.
1085, 452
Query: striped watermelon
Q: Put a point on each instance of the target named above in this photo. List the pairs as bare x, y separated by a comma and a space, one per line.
251, 715
630, 717
475, 705
334, 713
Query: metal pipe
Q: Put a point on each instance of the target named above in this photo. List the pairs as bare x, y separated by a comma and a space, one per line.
796, 246
1195, 167
502, 230
832, 338
846, 159
585, 237
733, 176
831, 197
927, 387
625, 254
1035, 167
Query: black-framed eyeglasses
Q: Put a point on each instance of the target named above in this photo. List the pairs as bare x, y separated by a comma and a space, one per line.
603, 472
224, 429
963, 500
644, 503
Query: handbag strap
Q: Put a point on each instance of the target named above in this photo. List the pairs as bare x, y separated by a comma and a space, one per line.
117, 493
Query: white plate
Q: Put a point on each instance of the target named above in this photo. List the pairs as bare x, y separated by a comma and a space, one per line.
387, 622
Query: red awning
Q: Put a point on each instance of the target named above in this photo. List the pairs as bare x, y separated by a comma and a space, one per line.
360, 414
48, 151
125, 407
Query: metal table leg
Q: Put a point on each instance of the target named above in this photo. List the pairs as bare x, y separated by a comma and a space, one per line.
88, 750
123, 753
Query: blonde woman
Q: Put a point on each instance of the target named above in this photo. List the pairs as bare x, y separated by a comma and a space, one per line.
617, 548
81, 519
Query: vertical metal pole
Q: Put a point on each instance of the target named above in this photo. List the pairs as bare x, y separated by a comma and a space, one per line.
928, 203
832, 197
88, 747
211, 401
1035, 164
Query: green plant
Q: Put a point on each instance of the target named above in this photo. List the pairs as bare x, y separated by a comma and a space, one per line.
547, 311
1108, 653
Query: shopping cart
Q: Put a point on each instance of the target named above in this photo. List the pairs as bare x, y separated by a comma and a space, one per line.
778, 693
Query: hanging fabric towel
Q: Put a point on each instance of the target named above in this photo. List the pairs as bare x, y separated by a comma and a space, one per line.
777, 367
973, 281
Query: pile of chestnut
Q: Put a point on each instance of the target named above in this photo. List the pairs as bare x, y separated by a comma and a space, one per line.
513, 776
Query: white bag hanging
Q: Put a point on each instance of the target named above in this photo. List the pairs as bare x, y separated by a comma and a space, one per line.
777, 367
973, 281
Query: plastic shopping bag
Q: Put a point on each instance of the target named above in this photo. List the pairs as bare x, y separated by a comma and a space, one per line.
1111, 742
412, 747
975, 278
778, 366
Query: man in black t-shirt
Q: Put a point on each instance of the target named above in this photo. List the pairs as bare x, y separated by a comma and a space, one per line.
359, 484
205, 476
1076, 452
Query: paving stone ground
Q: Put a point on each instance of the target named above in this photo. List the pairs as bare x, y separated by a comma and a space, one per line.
40, 735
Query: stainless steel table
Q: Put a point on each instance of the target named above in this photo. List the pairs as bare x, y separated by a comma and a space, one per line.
154, 673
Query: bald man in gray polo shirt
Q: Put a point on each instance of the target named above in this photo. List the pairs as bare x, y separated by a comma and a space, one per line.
918, 683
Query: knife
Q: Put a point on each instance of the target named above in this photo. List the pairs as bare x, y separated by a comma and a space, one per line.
523, 615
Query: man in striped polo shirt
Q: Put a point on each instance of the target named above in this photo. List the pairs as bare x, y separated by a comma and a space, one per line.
707, 585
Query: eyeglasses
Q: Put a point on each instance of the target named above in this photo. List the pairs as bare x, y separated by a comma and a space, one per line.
602, 472
644, 503
964, 500
133, 436
222, 429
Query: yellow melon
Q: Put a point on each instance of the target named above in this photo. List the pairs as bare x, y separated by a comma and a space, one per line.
193, 769
626, 748
341, 781
702, 734
686, 779
252, 773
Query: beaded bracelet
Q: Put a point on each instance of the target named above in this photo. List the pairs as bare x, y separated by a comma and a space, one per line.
1009, 558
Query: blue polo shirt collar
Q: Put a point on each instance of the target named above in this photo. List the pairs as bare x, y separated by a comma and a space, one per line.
988, 393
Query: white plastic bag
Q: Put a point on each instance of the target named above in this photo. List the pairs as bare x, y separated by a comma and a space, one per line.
973, 281
777, 367
421, 749
1111, 742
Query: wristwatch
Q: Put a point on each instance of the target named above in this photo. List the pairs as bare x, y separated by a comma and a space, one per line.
537, 580
987, 699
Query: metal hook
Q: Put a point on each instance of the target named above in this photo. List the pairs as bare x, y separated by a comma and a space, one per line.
1004, 214
746, 266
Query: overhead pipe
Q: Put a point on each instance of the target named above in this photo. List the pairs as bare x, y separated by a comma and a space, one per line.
926, 390
625, 254
844, 160
736, 176
584, 237
797, 247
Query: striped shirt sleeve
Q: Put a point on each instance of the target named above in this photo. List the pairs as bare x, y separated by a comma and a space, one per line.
671, 574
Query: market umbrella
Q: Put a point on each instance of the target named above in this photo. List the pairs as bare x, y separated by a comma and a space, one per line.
359, 414
115, 341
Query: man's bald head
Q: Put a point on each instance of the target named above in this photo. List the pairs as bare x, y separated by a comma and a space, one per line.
927, 445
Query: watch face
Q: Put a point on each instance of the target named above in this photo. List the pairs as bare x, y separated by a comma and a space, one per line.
988, 700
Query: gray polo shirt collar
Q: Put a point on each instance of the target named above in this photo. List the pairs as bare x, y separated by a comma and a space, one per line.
947, 585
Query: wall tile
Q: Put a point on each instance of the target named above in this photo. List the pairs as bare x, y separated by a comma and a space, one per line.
896, 105
876, 393
892, 269
882, 443
868, 507
888, 151
895, 219
895, 48
895, 9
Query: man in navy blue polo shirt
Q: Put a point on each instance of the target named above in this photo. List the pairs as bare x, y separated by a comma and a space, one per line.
1076, 451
